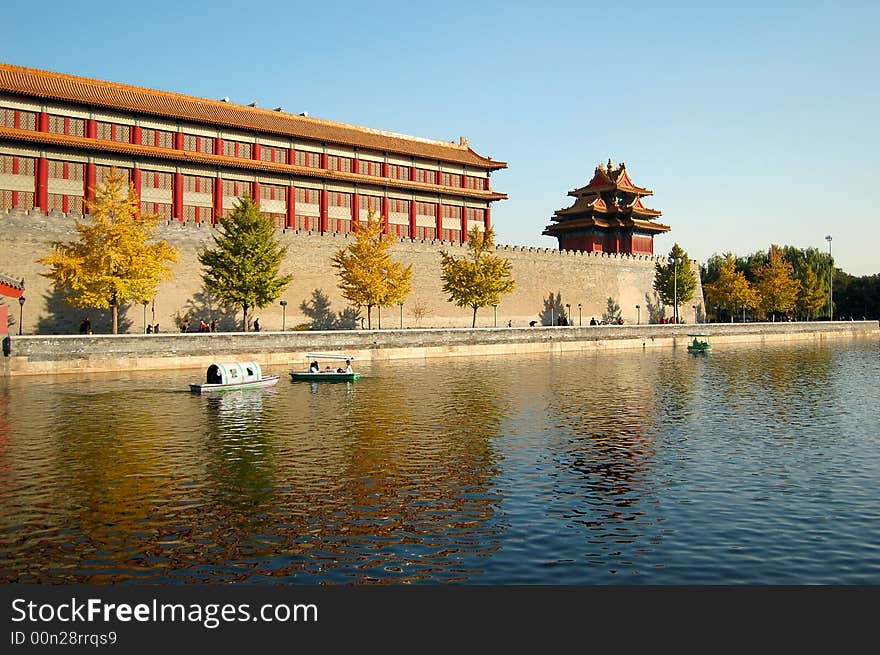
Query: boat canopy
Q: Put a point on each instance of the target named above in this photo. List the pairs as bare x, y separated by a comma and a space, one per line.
233, 373
699, 334
328, 356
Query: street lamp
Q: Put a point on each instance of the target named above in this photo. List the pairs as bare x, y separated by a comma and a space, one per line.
830, 280
675, 262
400, 304
695, 314
567, 314
495, 314
145, 303
20, 312
638, 315
283, 304
580, 316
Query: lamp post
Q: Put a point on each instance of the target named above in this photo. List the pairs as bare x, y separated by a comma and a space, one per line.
145, 303
21, 300
580, 316
283, 304
153, 310
695, 313
638, 315
830, 280
400, 304
567, 314
495, 314
675, 262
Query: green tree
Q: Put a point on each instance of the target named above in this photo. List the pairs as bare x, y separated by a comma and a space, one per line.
612, 312
243, 267
114, 261
811, 294
480, 278
730, 290
368, 277
675, 280
777, 289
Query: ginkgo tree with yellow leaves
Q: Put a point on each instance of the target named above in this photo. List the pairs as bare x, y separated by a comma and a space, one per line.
731, 290
368, 277
777, 290
114, 261
480, 278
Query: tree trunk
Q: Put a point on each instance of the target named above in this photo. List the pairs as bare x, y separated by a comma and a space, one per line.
369, 317
114, 312
245, 308
474, 322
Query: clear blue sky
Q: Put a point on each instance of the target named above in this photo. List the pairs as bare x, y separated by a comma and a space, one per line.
753, 122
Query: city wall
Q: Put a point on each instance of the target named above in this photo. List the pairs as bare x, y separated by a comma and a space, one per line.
278, 352
581, 278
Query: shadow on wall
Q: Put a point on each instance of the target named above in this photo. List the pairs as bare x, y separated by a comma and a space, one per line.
553, 309
656, 310
204, 306
63, 318
323, 318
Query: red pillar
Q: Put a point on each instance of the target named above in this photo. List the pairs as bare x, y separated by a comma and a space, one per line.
136, 182
218, 146
43, 122
355, 208
464, 230
324, 220
412, 219
256, 193
291, 206
90, 181
137, 135
218, 200
255, 152
42, 186
439, 219
15, 169
355, 165
386, 226
177, 195
412, 172
91, 129
178, 140
486, 183
385, 169
324, 164
488, 218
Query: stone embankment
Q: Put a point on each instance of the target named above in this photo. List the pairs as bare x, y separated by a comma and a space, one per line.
31, 355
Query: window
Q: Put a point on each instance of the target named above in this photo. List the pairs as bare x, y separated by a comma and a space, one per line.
18, 119
17, 173
65, 186
366, 167
426, 176
193, 143
471, 182
397, 172
67, 125
309, 159
238, 149
273, 154
341, 164
450, 179
157, 138
113, 132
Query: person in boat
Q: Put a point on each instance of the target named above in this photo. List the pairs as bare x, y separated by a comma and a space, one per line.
314, 368
347, 369
696, 343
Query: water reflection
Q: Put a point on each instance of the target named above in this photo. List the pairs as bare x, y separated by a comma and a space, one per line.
657, 466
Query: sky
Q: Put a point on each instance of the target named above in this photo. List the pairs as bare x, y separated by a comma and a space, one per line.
754, 123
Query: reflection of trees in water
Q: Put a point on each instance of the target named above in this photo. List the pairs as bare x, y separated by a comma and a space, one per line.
104, 477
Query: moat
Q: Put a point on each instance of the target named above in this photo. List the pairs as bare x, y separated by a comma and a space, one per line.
755, 464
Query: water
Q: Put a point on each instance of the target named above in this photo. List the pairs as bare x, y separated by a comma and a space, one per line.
755, 464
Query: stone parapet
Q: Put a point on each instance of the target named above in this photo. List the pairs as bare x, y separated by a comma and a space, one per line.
30, 355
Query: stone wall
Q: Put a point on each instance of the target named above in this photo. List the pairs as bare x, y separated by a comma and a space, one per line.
281, 351
588, 279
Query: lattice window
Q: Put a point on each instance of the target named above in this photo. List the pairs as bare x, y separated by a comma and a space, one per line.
368, 203
157, 138
451, 211
309, 159
67, 125
19, 191
423, 232
160, 209
453, 236
11, 165
113, 132
273, 154
398, 206
21, 120
474, 214
197, 184
307, 196
471, 182
450, 179
426, 176
193, 143
341, 164
366, 167
238, 149
426, 208
398, 172
336, 199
